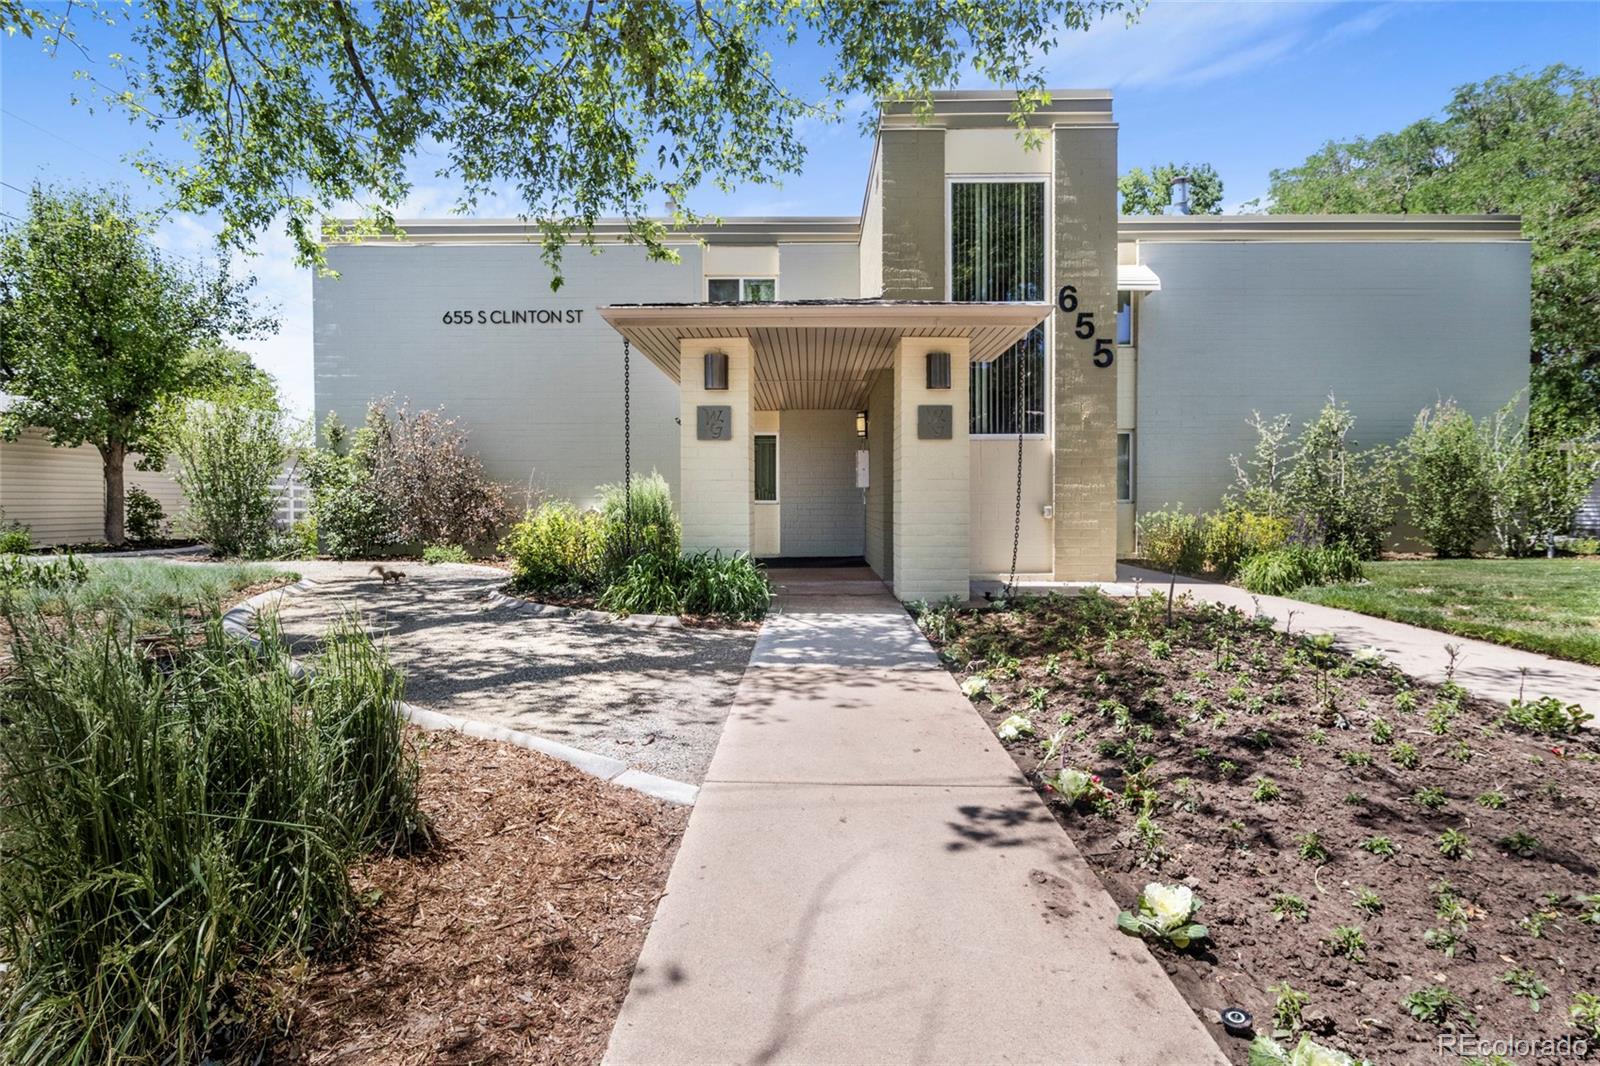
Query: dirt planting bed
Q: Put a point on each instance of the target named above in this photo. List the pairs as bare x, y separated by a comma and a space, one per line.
511, 939
1408, 859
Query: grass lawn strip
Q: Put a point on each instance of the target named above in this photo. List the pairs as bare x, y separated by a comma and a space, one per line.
1389, 851
1550, 606
513, 938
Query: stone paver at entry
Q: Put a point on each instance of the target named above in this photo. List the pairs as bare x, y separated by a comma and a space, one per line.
866, 877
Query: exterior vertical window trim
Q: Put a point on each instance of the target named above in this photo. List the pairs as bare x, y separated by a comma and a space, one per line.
777, 461
951, 180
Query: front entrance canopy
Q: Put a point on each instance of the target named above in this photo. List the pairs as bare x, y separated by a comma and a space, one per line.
820, 354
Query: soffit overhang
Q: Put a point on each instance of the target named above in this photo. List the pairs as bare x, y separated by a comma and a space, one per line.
820, 355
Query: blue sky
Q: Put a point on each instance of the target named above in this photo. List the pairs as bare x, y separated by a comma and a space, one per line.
1244, 86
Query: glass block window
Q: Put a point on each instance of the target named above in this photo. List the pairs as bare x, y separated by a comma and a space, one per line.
766, 468
997, 253
1124, 467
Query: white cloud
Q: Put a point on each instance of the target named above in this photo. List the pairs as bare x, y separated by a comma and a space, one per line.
1182, 44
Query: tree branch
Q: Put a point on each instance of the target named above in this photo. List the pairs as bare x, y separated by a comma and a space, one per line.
355, 59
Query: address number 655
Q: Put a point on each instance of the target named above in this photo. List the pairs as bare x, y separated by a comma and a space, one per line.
1083, 327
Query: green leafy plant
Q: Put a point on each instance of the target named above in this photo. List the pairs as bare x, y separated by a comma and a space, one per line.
1584, 1014
1448, 904
1281, 572
228, 456
1380, 846
1430, 798
1493, 799
1448, 483
556, 548
1453, 844
1356, 759
1436, 1005
1310, 846
1080, 786
1522, 844
1382, 731
1288, 1003
1347, 941
1368, 901
1286, 905
15, 538
1266, 790
1546, 717
1264, 1051
1166, 913
1447, 939
146, 519
1525, 983
1014, 727
434, 554
1405, 701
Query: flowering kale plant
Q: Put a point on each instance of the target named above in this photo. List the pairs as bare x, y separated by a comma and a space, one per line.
1076, 786
1264, 1051
1163, 912
1015, 727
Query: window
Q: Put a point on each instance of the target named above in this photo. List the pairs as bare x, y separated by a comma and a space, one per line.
997, 242
1124, 317
1125, 467
766, 468
741, 290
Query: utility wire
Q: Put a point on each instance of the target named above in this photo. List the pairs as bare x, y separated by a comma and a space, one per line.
57, 136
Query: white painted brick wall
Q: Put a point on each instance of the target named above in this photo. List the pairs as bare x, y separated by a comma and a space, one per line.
932, 494
1389, 327
718, 476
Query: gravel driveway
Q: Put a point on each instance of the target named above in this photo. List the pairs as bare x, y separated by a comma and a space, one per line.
655, 698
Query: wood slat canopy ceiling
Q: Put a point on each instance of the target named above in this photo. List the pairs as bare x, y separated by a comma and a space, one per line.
820, 354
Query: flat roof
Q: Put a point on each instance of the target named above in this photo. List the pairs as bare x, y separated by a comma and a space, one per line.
846, 229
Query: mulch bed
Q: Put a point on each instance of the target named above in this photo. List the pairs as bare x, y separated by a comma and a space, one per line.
1218, 703
512, 938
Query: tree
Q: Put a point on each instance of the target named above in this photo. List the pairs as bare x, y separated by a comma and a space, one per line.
1526, 144
1151, 194
229, 453
580, 110
100, 333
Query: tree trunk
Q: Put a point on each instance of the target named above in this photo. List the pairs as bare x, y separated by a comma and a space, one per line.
113, 458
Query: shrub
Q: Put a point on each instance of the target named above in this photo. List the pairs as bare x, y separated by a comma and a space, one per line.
1547, 716
349, 515
15, 538
726, 587
641, 520
144, 516
228, 456
1536, 484
172, 832
1446, 462
1278, 573
1234, 534
1338, 494
445, 553
1172, 540
431, 489
556, 548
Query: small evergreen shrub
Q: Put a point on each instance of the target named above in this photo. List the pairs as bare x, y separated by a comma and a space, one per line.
143, 516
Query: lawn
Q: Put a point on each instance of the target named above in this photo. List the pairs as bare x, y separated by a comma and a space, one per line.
1544, 605
142, 588
1380, 862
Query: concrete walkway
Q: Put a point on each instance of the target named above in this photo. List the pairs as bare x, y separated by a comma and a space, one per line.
1489, 670
867, 878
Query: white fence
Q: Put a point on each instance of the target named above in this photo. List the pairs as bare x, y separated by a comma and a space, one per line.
294, 498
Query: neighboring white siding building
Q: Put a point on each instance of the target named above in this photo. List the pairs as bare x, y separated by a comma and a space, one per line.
59, 493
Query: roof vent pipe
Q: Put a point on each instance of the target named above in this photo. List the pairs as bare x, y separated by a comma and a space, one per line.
1180, 195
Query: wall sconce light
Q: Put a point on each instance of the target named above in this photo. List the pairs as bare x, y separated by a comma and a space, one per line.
716, 371
861, 424
938, 370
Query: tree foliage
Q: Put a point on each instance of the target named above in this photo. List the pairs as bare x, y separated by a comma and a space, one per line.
1448, 487
1151, 193
229, 454
578, 110
100, 333
1526, 144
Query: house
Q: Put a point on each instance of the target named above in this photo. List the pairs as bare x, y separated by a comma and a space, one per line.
986, 358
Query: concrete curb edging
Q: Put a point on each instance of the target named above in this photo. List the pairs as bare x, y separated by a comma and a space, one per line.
583, 614
236, 624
